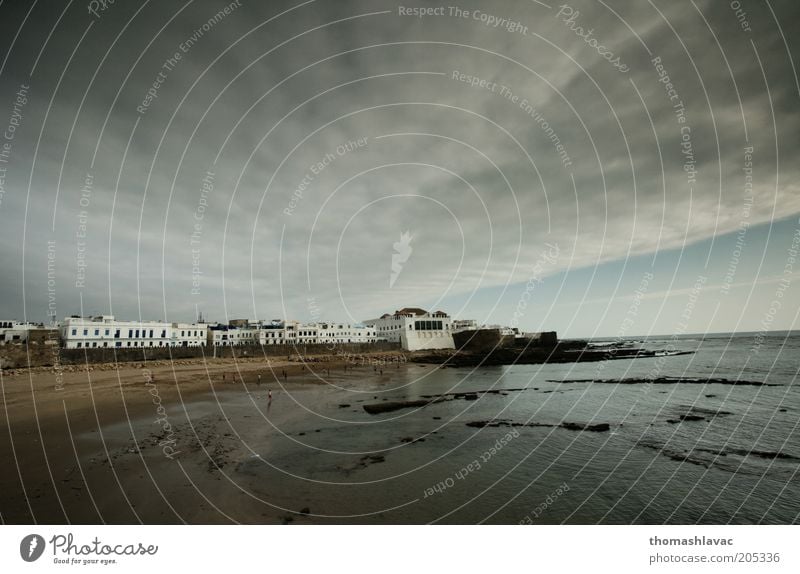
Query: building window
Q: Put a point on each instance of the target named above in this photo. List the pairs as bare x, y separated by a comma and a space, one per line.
151, 333
74, 331
137, 334
107, 332
85, 332
96, 332
116, 334
79, 345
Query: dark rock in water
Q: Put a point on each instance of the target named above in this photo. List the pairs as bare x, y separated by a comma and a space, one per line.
495, 423
600, 427
437, 418
669, 381
699, 456
406, 439
301, 434
377, 408
698, 414
287, 519
683, 418
344, 405
362, 463
710, 396
782, 410
766, 454
305, 510
704, 411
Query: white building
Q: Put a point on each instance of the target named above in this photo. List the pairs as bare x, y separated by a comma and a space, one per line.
15, 332
415, 329
105, 331
188, 334
328, 333
272, 334
464, 325
228, 336
289, 333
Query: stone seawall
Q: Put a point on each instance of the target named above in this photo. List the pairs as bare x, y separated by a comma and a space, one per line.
489, 339
44, 355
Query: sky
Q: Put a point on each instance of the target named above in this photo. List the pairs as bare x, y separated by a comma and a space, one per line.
596, 168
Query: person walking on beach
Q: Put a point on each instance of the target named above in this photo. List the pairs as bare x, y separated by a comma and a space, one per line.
259, 380
269, 396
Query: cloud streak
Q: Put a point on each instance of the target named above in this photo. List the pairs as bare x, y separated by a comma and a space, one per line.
473, 170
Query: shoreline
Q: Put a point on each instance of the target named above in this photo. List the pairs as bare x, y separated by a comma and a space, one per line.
52, 437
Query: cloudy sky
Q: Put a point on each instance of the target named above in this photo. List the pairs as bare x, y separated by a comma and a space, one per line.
557, 167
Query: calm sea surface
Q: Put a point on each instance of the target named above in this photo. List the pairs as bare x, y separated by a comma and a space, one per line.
319, 449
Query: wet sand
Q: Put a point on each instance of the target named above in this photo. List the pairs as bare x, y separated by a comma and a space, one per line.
122, 443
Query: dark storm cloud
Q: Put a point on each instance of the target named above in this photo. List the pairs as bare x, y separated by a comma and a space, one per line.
470, 172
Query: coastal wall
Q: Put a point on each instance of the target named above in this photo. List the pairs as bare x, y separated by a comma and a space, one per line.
44, 355
542, 339
481, 340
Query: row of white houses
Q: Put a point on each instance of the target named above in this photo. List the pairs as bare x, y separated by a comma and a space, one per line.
412, 327
106, 331
290, 333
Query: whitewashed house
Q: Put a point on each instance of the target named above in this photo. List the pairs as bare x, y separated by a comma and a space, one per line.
415, 329
15, 331
106, 332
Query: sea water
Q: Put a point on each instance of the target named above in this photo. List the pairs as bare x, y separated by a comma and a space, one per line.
738, 464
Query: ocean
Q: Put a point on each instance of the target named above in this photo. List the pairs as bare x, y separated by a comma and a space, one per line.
515, 444
736, 460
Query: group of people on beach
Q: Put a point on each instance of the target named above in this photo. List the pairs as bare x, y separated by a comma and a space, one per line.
285, 377
258, 382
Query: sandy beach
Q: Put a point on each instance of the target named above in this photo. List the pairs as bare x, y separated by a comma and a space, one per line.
98, 443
